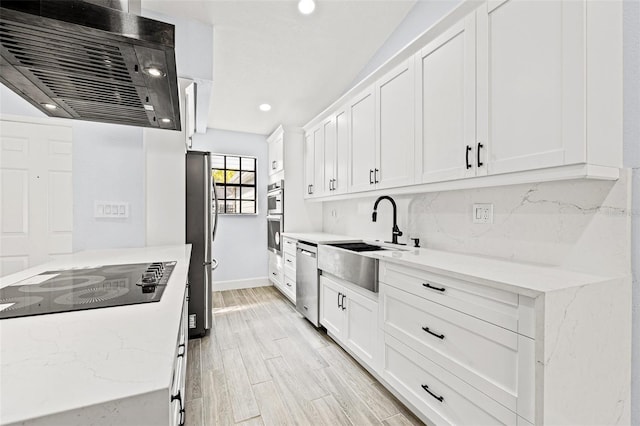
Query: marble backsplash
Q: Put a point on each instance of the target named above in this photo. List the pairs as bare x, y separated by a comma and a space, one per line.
582, 224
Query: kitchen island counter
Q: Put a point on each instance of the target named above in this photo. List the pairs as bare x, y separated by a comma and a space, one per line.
98, 366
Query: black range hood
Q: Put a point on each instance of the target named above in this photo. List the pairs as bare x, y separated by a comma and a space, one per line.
76, 59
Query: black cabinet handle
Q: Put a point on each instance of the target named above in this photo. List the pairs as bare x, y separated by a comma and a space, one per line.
339, 294
439, 336
274, 274
480, 146
274, 164
376, 176
289, 260
343, 307
370, 176
426, 388
427, 285
181, 354
179, 398
289, 285
311, 189
467, 156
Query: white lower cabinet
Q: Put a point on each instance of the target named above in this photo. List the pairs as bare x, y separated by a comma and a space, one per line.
350, 315
456, 350
440, 395
178, 383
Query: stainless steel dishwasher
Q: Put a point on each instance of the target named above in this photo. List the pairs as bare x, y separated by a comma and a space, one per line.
307, 288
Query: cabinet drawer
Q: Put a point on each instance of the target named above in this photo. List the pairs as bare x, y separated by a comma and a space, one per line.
275, 273
289, 245
290, 261
482, 354
495, 306
441, 396
289, 287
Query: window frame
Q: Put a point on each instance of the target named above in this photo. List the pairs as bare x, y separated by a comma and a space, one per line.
240, 186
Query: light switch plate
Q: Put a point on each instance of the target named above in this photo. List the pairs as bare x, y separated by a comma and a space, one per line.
483, 213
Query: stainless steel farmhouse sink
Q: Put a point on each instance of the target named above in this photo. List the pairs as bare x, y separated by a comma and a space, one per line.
344, 261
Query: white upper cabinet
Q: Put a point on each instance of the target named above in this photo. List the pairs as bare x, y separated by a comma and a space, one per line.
329, 155
318, 158
336, 152
511, 91
531, 97
446, 106
362, 155
395, 95
309, 165
276, 151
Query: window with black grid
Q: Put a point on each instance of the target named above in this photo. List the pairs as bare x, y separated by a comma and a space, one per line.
235, 178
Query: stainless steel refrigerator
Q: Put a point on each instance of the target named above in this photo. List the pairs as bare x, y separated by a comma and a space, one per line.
200, 233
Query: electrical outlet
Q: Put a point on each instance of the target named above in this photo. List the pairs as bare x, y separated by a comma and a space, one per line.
483, 213
111, 210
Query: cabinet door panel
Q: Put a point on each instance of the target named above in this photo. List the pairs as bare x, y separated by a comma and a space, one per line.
362, 327
363, 139
329, 130
318, 154
331, 315
342, 152
530, 56
309, 164
446, 108
395, 95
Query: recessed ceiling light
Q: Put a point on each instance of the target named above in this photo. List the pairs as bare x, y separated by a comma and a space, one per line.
165, 120
50, 106
265, 107
154, 72
306, 6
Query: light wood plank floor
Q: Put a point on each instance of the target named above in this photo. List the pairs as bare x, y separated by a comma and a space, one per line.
263, 364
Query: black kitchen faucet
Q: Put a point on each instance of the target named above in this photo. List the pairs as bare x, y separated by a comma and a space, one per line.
396, 231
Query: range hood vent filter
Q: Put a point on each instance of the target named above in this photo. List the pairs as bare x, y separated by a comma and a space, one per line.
89, 61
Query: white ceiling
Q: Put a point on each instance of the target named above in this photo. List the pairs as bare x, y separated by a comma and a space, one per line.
267, 52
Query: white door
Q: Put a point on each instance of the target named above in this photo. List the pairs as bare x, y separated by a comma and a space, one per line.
446, 107
331, 312
309, 164
362, 327
530, 84
329, 155
36, 194
342, 152
362, 158
395, 95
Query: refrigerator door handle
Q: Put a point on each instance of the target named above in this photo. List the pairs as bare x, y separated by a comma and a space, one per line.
215, 208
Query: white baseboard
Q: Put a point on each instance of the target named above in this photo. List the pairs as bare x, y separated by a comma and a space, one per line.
238, 284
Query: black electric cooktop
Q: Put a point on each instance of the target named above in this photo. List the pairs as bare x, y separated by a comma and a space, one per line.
85, 288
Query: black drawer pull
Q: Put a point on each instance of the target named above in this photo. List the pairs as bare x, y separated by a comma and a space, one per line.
479, 163
467, 157
427, 285
184, 350
343, 297
439, 398
439, 336
339, 295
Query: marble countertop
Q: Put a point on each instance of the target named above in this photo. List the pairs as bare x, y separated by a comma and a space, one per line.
522, 278
65, 361
319, 237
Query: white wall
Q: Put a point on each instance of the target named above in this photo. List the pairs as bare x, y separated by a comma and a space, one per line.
107, 166
632, 159
241, 241
422, 16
